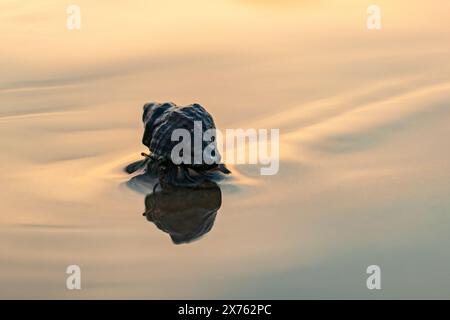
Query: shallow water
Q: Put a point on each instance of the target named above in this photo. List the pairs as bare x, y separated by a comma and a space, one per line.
364, 168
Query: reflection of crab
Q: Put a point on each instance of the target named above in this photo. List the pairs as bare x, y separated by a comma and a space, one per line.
160, 120
185, 213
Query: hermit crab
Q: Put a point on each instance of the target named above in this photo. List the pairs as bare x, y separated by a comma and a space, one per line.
161, 121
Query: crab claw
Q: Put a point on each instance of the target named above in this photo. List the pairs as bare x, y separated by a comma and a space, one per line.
222, 168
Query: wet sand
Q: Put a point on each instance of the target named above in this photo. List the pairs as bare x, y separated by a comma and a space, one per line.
364, 120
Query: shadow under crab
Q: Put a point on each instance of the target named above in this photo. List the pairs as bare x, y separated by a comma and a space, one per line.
185, 213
